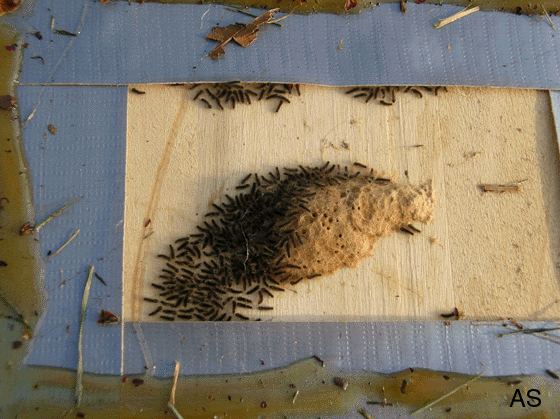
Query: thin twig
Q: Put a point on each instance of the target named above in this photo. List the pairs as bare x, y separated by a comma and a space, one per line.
550, 22
72, 237
80, 369
243, 12
529, 331
55, 214
456, 389
18, 316
100, 279
499, 188
465, 12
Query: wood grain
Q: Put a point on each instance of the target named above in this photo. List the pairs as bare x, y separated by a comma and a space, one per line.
491, 255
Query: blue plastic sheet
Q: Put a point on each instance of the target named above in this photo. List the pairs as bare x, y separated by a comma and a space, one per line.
118, 43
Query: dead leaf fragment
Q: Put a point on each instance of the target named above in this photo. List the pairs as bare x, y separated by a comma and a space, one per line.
106, 317
222, 34
243, 35
350, 4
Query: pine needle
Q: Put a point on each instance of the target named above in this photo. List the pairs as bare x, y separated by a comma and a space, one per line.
72, 237
529, 331
55, 214
446, 395
80, 369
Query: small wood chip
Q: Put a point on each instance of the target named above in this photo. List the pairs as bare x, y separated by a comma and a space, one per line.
500, 188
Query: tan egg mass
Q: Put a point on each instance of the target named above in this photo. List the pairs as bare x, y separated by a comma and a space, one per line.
347, 219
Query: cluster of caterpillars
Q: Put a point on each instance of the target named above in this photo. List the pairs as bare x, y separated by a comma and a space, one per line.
387, 95
230, 94
244, 253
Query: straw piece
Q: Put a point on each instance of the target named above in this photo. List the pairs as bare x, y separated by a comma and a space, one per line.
175, 376
465, 12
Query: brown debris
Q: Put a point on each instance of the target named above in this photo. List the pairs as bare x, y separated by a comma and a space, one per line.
343, 384
350, 4
553, 374
499, 188
243, 35
9, 6
7, 102
454, 313
25, 229
137, 382
106, 317
516, 323
52, 129
403, 386
38, 57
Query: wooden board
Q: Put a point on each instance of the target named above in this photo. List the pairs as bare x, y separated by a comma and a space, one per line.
496, 256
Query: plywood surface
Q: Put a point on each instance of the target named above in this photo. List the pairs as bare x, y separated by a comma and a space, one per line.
491, 255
